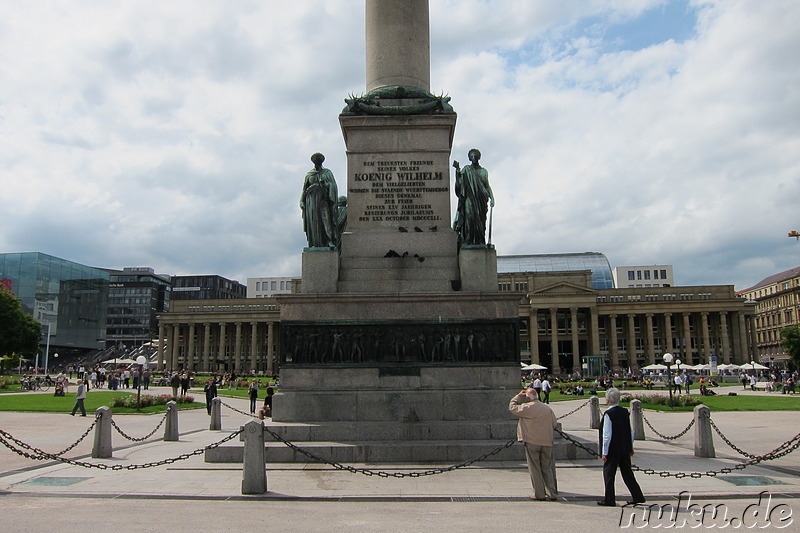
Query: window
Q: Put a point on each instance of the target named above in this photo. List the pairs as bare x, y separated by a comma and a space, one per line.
630, 275
638, 274
258, 285
274, 285
663, 274
646, 274
505, 286
655, 274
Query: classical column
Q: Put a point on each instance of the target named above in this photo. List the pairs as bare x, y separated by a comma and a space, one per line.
221, 353
270, 343
398, 44
595, 324
726, 339
174, 348
687, 338
668, 346
237, 349
554, 363
207, 347
254, 345
706, 336
533, 333
651, 348
633, 362
576, 356
160, 348
190, 357
612, 343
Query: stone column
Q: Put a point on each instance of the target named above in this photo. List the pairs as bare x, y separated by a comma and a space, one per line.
706, 337
221, 353
533, 333
745, 353
215, 424
554, 363
687, 339
595, 324
651, 348
254, 345
668, 346
594, 413
102, 434
270, 343
612, 343
207, 347
633, 363
190, 356
160, 352
171, 424
398, 44
637, 420
573, 322
237, 349
174, 348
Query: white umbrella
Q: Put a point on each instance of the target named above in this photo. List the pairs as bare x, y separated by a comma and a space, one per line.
754, 366
727, 367
703, 367
534, 366
655, 366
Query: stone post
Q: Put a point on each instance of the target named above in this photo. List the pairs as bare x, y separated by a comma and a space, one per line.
102, 434
254, 473
171, 424
594, 412
216, 415
637, 420
703, 440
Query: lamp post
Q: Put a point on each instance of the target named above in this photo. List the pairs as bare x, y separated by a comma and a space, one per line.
668, 357
142, 362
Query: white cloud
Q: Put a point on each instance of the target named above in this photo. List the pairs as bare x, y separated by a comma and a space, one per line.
176, 134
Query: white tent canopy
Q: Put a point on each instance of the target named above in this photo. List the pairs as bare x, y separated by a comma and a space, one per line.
655, 366
534, 366
753, 366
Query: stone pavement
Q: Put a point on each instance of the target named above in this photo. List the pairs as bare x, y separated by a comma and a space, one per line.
190, 493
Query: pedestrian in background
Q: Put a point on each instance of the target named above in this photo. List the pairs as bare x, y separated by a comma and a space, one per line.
535, 430
616, 437
79, 397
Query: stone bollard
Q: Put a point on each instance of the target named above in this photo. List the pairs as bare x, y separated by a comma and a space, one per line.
216, 415
637, 420
102, 434
703, 440
254, 471
171, 424
594, 412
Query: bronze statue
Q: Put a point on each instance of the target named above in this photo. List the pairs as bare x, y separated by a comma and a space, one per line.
318, 204
341, 220
473, 192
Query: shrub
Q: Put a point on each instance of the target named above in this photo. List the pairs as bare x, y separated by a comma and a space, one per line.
679, 400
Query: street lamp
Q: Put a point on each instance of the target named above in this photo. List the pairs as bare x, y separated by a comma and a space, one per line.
668, 357
142, 362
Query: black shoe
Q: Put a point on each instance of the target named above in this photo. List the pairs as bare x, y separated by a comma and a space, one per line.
635, 502
604, 503
72, 414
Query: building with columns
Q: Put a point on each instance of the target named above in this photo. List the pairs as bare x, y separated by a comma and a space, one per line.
777, 305
563, 321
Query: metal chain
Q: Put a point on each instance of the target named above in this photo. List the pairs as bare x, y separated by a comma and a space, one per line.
134, 439
85, 434
232, 408
739, 450
39, 455
782, 450
581, 406
379, 473
667, 437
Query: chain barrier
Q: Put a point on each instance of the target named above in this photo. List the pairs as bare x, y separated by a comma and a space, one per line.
742, 452
379, 473
668, 437
135, 439
581, 406
39, 455
782, 450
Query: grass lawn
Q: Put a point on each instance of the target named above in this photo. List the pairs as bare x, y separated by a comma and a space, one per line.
778, 402
47, 403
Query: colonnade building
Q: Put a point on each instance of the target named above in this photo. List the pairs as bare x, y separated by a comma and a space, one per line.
567, 323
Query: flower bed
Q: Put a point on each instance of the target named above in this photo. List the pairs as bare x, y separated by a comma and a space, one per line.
678, 400
148, 400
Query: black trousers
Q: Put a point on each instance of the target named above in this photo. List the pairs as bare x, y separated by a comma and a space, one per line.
623, 462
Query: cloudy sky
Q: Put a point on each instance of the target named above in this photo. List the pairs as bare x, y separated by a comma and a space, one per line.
176, 134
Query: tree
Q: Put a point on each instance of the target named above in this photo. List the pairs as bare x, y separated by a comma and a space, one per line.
790, 341
19, 332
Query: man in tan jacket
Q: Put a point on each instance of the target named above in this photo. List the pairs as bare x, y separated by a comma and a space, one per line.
535, 429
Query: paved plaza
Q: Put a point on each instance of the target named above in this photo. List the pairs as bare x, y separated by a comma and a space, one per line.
488, 496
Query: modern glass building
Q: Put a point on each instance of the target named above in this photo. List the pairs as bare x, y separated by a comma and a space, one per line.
136, 296
602, 277
68, 299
